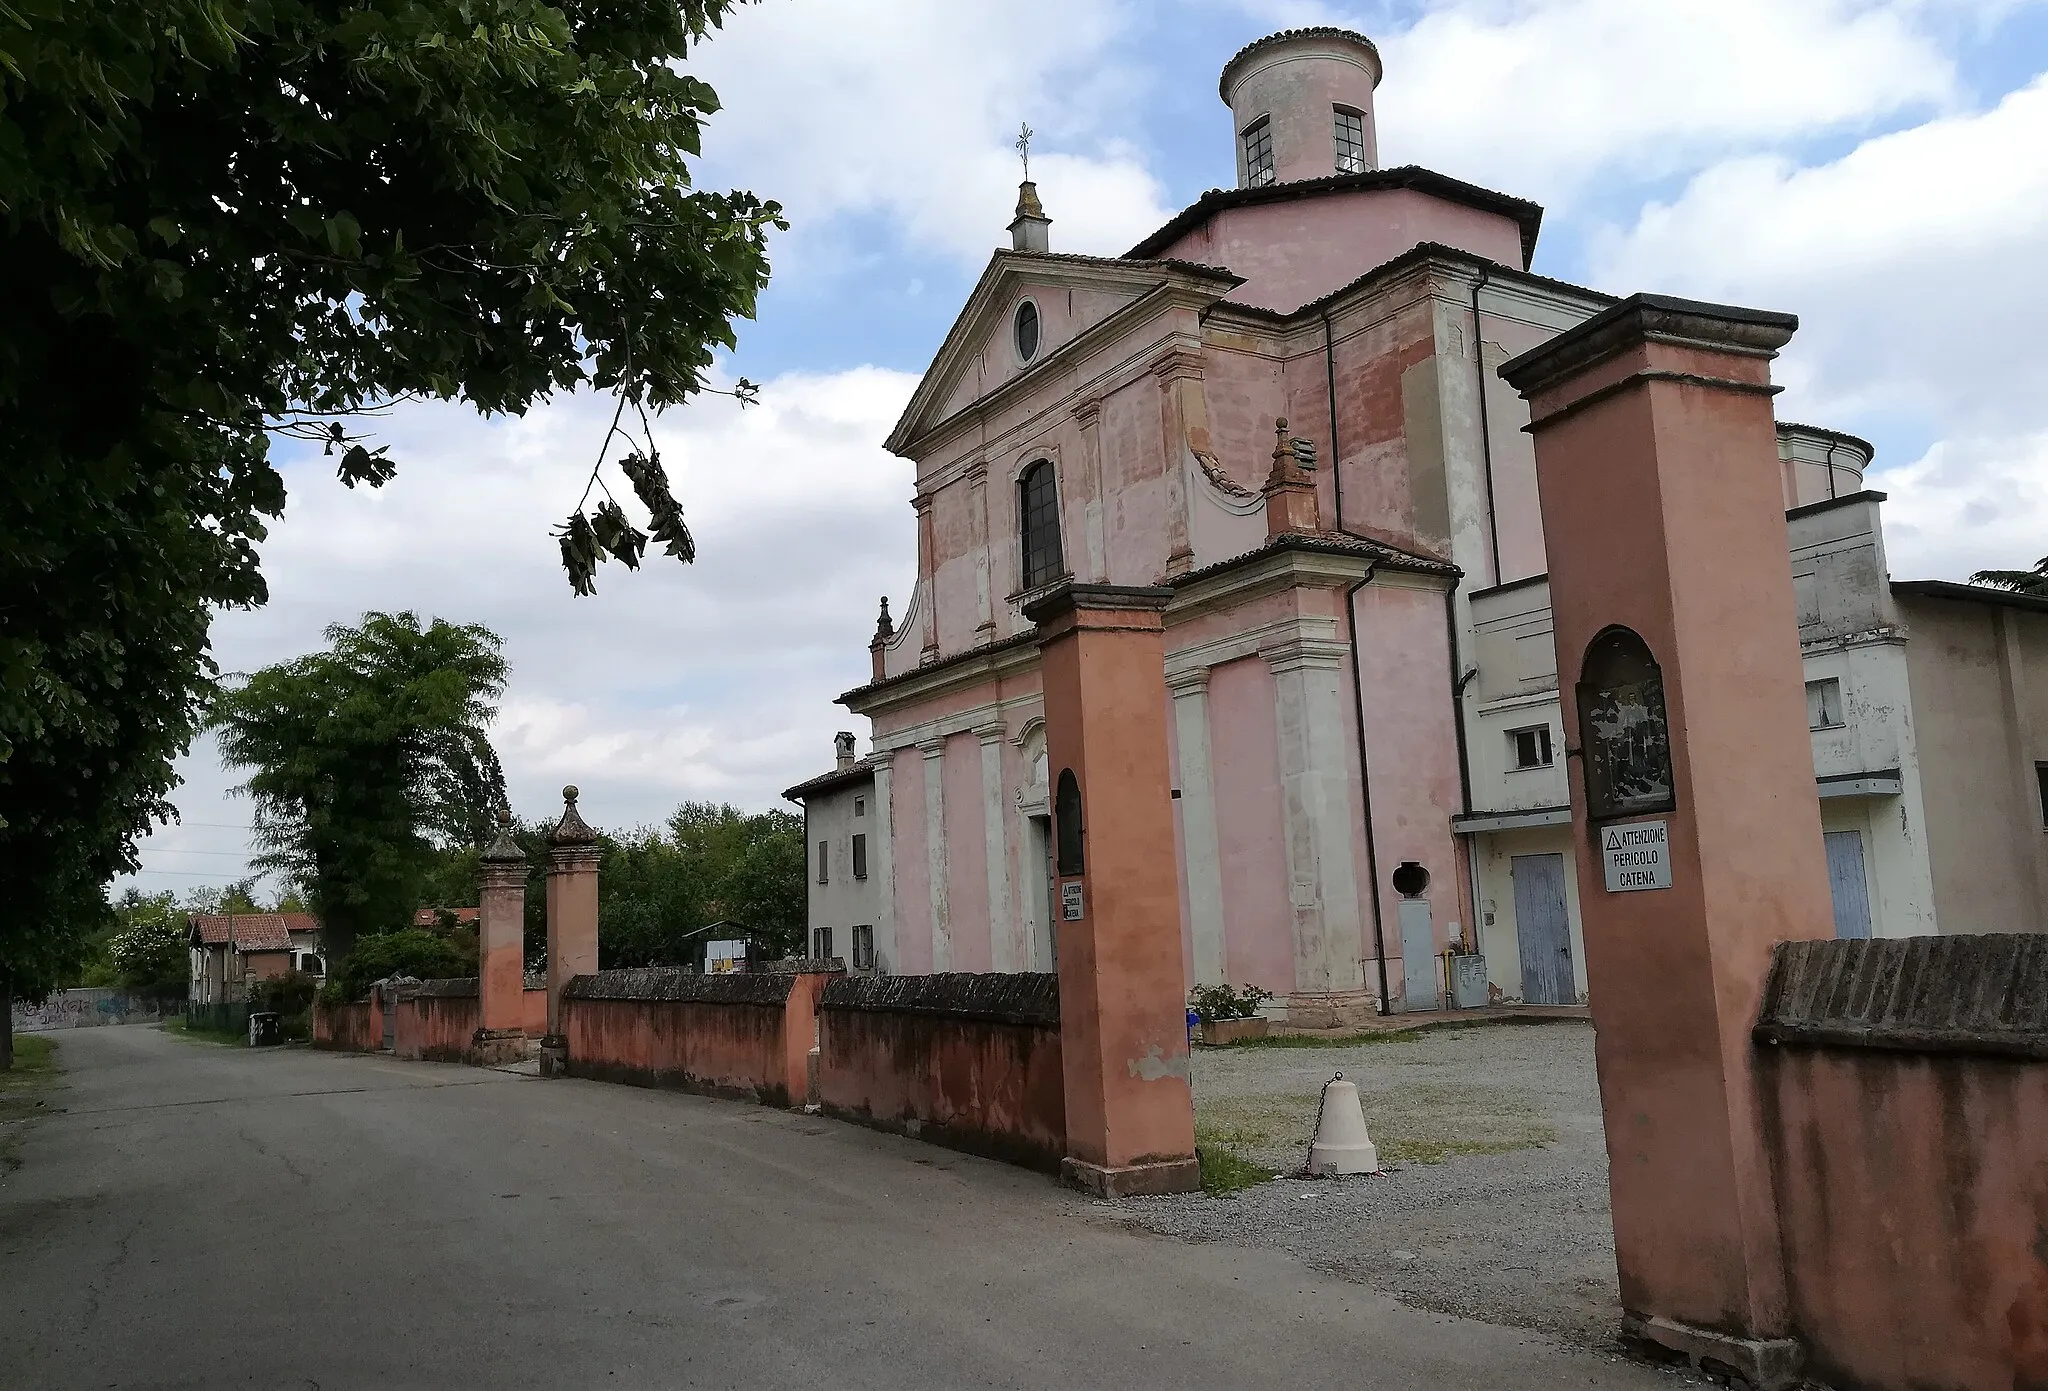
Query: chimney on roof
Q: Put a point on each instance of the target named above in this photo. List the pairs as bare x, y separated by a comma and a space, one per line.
842, 749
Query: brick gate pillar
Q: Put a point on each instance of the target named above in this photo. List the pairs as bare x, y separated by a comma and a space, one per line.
1696, 823
501, 949
572, 920
1116, 904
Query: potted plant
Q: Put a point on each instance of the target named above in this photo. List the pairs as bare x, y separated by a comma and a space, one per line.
1229, 1013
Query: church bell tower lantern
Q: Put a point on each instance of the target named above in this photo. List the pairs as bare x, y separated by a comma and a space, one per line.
1301, 106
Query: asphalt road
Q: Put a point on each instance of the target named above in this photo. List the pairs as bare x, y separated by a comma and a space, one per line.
201, 1216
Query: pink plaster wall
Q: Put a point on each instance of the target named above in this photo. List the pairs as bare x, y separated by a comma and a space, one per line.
966, 854
436, 1028
978, 1085
909, 865
1300, 249
1134, 485
1913, 1193
1379, 497
759, 1052
353, 1028
1518, 511
1411, 748
1244, 737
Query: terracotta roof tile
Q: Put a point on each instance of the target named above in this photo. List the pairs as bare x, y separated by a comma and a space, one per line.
431, 917
251, 931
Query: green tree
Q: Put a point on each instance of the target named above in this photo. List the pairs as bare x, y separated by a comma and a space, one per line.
2033, 582
222, 219
150, 957
364, 758
412, 951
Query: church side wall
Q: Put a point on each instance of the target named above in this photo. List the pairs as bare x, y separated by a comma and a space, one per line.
967, 859
1258, 935
1298, 250
913, 875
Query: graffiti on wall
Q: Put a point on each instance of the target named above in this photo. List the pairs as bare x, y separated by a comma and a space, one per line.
84, 1008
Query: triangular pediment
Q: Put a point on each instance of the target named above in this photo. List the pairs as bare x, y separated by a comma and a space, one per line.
1074, 298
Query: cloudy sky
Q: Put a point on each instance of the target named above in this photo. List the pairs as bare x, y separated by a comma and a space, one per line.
1875, 166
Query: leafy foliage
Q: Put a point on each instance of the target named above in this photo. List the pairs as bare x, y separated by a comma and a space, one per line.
2034, 581
1214, 1002
224, 219
151, 958
411, 952
364, 758
288, 994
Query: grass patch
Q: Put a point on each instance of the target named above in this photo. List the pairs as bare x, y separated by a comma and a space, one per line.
185, 1029
21, 1088
1416, 1123
1225, 1171
1327, 1041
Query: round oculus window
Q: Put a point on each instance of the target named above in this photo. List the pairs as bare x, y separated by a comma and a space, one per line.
1026, 329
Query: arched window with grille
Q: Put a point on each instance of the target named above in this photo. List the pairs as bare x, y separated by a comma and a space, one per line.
1038, 507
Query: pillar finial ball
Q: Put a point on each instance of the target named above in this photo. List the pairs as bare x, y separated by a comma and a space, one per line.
569, 793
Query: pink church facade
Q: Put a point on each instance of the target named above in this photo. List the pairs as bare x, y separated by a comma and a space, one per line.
1335, 581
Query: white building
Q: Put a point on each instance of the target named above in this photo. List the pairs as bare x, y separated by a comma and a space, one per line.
847, 859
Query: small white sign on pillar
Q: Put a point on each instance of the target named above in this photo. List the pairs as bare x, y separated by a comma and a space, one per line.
1636, 855
1070, 900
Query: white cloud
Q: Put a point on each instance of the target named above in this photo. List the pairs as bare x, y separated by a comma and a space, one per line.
706, 681
905, 110
1967, 505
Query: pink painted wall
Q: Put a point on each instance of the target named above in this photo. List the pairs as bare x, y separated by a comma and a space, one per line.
1913, 1193
533, 1013
966, 854
352, 1028
979, 1085
909, 864
1518, 510
1298, 250
1244, 736
755, 1051
1134, 485
1411, 747
436, 1028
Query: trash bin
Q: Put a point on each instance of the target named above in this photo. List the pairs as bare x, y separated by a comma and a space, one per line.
266, 1028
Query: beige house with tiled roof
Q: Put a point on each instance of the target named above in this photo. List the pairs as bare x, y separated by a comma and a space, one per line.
229, 950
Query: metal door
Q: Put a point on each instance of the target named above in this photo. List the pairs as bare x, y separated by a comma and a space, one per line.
1846, 883
1543, 930
1418, 956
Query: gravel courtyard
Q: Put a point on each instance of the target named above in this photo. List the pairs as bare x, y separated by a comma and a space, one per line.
1494, 1205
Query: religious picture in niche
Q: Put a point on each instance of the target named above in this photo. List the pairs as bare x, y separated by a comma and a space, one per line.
1622, 728
1066, 816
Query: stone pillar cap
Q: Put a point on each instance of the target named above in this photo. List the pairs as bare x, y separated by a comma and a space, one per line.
1069, 595
504, 850
1646, 318
571, 829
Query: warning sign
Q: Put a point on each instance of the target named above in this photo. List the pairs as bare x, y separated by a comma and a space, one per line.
1636, 855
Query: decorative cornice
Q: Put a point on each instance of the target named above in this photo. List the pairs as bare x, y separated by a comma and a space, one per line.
1087, 413
1178, 363
1187, 681
1688, 323
990, 733
932, 748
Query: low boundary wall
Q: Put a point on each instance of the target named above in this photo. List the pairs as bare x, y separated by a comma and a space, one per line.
351, 1028
1905, 1093
971, 1062
744, 1034
438, 1021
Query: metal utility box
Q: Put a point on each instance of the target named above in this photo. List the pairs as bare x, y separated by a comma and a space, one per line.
266, 1028
1468, 982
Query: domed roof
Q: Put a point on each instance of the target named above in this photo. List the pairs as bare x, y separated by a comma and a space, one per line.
1319, 31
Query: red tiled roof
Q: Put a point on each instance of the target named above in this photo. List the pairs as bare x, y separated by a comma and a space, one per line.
431, 917
252, 931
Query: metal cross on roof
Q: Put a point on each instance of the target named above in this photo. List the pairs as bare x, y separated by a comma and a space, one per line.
1023, 142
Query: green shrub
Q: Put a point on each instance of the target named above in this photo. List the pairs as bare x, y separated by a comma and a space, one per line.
413, 952
288, 994
1214, 1002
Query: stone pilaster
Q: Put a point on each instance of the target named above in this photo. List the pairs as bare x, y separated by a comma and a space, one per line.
1190, 691
1315, 793
934, 751
1007, 949
501, 950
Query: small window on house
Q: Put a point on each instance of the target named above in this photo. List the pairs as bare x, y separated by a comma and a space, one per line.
821, 943
1039, 507
1024, 328
1350, 139
823, 876
1531, 746
863, 947
860, 857
1824, 704
860, 806
1258, 153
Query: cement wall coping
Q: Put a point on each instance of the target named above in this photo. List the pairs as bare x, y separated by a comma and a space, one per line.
1029, 998
459, 989
668, 983
1985, 995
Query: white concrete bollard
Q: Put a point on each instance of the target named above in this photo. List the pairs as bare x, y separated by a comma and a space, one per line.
1341, 1144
